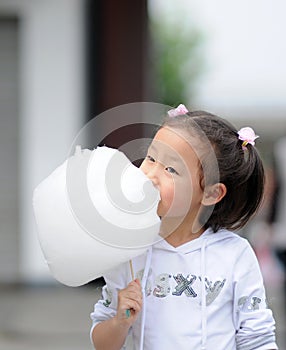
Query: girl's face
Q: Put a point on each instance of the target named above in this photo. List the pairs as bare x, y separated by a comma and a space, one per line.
174, 168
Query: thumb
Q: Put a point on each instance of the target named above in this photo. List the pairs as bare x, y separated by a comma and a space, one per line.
137, 281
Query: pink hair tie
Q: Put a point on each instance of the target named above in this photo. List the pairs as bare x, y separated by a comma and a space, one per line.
247, 135
181, 109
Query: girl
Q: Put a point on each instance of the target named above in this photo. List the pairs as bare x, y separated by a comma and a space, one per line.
200, 287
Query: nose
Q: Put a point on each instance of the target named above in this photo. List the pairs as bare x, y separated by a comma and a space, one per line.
153, 174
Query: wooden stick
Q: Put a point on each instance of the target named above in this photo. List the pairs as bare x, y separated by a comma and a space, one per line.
131, 270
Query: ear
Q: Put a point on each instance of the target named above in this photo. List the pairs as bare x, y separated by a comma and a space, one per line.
214, 194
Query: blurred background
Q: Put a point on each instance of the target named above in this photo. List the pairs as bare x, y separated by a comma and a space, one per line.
62, 62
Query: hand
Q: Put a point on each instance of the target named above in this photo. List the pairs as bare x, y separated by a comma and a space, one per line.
129, 298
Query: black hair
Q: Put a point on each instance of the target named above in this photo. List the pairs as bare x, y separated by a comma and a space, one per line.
240, 169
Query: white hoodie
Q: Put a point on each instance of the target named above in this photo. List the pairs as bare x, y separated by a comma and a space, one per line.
229, 313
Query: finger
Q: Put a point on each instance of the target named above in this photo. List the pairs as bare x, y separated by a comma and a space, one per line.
128, 313
130, 304
131, 292
135, 285
137, 281
128, 300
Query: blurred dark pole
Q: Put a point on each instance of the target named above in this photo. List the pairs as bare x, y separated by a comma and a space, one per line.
117, 51
93, 42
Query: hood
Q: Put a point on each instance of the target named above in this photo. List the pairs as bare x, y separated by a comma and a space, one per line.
208, 237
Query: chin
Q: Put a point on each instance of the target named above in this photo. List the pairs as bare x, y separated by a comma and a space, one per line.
162, 213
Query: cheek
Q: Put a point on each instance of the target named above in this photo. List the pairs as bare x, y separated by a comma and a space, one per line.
181, 200
167, 195
181, 196
175, 199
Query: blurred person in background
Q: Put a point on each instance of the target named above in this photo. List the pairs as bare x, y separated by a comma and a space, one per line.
279, 204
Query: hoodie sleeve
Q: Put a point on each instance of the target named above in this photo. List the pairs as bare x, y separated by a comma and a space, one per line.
255, 326
106, 307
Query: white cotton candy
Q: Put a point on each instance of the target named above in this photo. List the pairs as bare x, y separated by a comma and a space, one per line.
94, 212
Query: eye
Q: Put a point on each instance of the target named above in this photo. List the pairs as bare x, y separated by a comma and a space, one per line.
171, 170
151, 159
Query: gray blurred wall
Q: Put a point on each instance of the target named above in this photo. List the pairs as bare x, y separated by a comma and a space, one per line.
41, 110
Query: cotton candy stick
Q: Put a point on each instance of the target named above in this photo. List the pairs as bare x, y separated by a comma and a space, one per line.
131, 269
